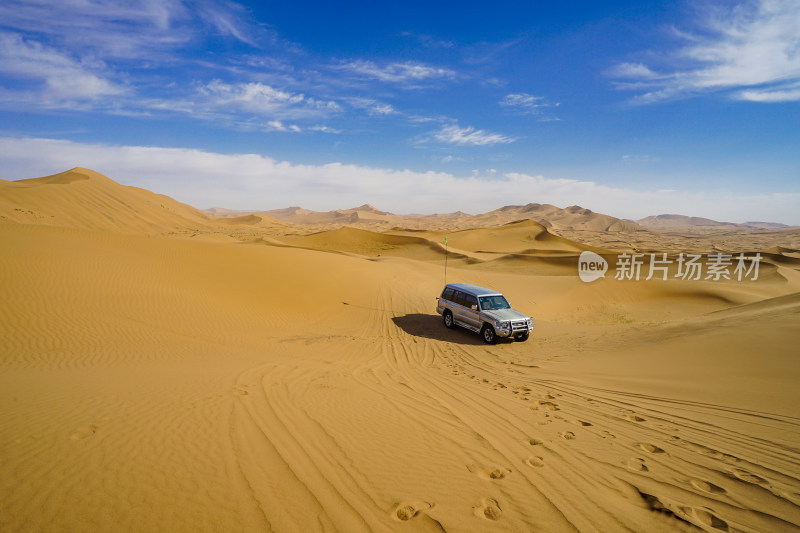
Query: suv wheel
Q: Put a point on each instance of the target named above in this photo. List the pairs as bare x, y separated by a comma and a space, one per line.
488, 334
447, 317
522, 337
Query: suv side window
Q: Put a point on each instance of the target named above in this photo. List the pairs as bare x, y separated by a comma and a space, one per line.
448, 293
459, 298
470, 300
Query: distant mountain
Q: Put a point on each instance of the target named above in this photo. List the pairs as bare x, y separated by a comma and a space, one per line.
678, 221
682, 221
767, 225
353, 216
571, 218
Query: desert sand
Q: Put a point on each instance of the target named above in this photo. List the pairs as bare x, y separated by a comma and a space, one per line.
168, 369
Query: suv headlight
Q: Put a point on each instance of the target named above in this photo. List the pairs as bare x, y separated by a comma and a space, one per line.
502, 324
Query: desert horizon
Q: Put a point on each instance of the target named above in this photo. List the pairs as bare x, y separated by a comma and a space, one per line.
165, 368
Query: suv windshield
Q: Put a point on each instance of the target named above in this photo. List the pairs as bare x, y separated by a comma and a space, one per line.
489, 303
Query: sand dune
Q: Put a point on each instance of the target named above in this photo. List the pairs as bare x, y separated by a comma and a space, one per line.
369, 244
515, 237
155, 382
82, 198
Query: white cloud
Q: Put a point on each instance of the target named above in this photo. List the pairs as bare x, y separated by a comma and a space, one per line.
452, 134
633, 70
787, 93
262, 99
522, 100
324, 129
251, 181
371, 106
130, 29
408, 72
58, 78
277, 125
753, 47
109, 28
228, 19
110, 55
528, 104
383, 109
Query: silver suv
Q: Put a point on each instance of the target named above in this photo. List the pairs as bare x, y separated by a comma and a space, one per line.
483, 311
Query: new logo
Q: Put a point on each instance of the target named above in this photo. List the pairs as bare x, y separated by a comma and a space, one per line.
591, 266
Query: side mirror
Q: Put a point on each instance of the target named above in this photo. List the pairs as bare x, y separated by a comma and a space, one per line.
475, 307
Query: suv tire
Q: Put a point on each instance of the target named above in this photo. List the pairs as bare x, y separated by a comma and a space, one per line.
447, 318
488, 334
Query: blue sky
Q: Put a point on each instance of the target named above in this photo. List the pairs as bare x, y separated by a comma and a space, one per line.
627, 108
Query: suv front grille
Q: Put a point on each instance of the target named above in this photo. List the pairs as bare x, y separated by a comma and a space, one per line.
519, 325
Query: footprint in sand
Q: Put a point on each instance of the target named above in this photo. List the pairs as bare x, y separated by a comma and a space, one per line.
548, 405
567, 435
240, 391
635, 418
637, 465
707, 486
705, 517
749, 477
650, 448
535, 442
494, 472
535, 461
83, 433
407, 510
489, 509
705, 450
581, 423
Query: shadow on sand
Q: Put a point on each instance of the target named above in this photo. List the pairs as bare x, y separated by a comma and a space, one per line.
431, 327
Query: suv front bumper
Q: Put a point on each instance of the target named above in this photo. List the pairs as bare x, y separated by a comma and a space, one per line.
513, 327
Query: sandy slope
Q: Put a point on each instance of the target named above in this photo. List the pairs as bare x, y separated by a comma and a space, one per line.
83, 198
160, 384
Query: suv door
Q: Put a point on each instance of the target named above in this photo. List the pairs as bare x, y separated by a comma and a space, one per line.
472, 316
459, 299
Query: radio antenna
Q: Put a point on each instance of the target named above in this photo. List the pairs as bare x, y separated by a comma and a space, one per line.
445, 260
